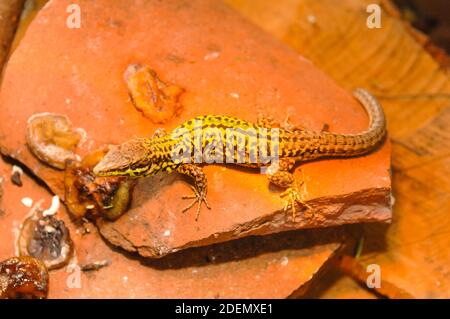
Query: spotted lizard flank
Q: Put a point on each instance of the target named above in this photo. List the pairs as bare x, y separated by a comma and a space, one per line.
140, 157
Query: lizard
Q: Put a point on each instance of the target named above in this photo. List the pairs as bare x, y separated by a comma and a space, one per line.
142, 156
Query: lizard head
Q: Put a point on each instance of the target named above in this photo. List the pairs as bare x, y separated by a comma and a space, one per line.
132, 158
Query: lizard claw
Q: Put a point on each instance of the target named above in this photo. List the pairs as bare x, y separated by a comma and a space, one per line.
199, 198
293, 198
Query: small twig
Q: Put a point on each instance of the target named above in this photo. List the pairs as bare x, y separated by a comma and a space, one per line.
354, 269
96, 265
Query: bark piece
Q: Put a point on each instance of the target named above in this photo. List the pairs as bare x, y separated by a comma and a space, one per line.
9, 19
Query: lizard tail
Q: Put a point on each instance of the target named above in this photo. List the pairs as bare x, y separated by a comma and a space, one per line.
361, 143
327, 144
377, 121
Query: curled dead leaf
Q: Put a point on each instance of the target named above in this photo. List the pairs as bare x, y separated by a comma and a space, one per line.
52, 139
157, 100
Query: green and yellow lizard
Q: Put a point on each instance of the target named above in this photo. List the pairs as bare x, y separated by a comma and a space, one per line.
140, 157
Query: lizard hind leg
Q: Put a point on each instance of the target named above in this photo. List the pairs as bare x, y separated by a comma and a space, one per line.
293, 194
200, 188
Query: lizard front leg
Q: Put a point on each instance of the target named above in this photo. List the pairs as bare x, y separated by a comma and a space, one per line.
200, 188
285, 179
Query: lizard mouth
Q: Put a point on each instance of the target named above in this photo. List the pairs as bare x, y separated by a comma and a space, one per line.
111, 164
121, 158
102, 169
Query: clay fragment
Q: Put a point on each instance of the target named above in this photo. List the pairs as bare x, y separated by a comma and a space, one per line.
157, 100
253, 73
92, 196
254, 268
23, 278
51, 138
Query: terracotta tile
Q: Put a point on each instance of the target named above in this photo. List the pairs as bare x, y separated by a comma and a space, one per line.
268, 267
226, 66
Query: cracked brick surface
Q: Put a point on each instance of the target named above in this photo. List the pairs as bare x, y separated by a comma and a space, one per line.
226, 66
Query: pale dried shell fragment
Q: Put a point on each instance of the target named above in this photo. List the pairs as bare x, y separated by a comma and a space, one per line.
52, 138
53, 208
